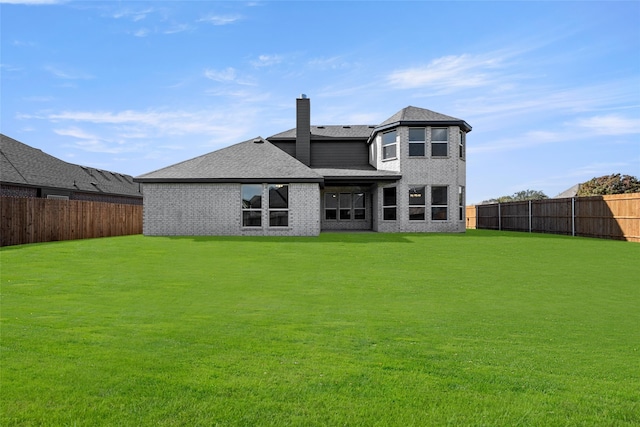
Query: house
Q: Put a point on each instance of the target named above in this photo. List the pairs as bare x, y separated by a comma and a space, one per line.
406, 174
29, 172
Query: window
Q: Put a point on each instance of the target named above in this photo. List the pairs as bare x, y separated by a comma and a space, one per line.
330, 206
461, 203
344, 206
439, 203
278, 205
359, 206
461, 144
252, 205
389, 145
417, 202
389, 204
417, 141
439, 142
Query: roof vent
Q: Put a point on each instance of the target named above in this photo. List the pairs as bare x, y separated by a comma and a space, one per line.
346, 127
303, 96
258, 141
320, 127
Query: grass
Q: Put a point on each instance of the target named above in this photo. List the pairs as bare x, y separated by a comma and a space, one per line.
486, 328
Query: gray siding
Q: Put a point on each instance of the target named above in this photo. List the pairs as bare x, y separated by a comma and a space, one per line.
288, 147
339, 154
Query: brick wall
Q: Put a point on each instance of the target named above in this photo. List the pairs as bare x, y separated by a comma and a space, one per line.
216, 209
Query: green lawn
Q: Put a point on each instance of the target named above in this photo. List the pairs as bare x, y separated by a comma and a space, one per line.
486, 328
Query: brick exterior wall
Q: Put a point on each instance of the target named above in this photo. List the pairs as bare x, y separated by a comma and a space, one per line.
425, 171
216, 209
17, 191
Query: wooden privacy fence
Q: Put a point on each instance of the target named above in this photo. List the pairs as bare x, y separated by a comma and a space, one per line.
609, 217
33, 220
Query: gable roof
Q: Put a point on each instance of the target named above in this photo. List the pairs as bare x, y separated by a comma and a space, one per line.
27, 166
254, 160
423, 116
330, 131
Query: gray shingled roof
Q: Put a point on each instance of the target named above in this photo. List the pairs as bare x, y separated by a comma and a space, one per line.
422, 115
330, 131
24, 165
243, 162
370, 173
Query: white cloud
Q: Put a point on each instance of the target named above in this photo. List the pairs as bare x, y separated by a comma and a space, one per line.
611, 124
93, 143
223, 76
177, 28
67, 74
142, 32
332, 63
220, 19
267, 60
228, 75
449, 72
134, 15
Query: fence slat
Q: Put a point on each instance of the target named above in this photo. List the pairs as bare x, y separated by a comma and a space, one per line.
33, 220
609, 217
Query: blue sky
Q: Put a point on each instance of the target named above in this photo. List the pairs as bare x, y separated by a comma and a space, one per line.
551, 89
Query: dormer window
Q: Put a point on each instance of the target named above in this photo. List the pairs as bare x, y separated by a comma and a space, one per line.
439, 142
389, 147
417, 142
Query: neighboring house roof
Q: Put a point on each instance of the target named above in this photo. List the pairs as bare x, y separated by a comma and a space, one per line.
569, 192
330, 131
23, 165
421, 116
254, 160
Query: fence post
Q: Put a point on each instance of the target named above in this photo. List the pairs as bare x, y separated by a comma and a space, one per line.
573, 216
529, 216
499, 218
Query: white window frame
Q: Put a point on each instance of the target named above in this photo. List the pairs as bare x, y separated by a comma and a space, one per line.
387, 145
461, 145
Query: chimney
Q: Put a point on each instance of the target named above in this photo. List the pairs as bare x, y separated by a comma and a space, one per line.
303, 129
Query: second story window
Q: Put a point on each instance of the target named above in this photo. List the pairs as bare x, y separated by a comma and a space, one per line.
417, 142
461, 145
439, 142
389, 147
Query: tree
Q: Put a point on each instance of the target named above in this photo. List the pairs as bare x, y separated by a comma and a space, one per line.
609, 184
519, 196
